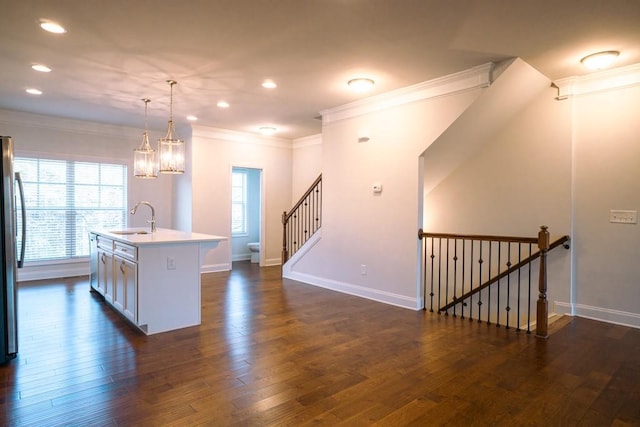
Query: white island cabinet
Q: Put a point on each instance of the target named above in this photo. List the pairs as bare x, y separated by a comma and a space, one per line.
152, 279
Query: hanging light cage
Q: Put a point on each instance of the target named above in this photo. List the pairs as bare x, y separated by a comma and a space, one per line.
171, 150
145, 164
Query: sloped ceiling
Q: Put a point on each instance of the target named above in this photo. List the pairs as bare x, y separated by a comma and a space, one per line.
515, 87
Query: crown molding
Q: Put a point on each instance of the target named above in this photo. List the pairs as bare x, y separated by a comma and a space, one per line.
476, 77
616, 78
307, 141
61, 124
237, 136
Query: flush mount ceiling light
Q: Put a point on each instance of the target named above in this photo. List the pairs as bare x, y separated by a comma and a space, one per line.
222, 104
33, 91
361, 84
41, 67
171, 148
600, 60
269, 84
145, 164
267, 130
52, 27
192, 118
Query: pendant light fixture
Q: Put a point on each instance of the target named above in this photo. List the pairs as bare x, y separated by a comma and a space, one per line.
145, 164
171, 148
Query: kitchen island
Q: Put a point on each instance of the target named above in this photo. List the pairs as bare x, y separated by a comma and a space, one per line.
152, 279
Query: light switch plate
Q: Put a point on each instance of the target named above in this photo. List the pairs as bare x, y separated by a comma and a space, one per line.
623, 217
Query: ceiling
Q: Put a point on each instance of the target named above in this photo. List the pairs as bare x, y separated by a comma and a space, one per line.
116, 52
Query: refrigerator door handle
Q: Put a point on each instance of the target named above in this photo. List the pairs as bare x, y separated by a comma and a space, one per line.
24, 220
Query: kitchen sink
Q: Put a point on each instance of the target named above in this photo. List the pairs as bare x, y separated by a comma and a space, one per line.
129, 232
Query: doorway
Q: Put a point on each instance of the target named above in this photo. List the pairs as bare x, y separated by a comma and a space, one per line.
246, 215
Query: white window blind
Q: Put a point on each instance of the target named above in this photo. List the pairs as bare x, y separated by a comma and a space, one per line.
238, 203
64, 200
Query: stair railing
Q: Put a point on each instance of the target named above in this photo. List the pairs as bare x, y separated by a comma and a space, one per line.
460, 271
302, 221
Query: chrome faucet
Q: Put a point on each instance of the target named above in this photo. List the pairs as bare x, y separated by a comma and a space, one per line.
153, 214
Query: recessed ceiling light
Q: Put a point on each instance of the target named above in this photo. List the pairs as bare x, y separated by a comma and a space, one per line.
192, 118
267, 130
361, 84
600, 60
33, 91
269, 84
223, 104
41, 67
52, 27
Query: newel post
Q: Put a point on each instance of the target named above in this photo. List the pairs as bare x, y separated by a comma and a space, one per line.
542, 317
285, 253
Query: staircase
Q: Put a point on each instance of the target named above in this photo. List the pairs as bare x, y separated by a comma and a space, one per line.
489, 278
302, 221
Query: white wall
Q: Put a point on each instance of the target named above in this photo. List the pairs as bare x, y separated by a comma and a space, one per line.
561, 163
520, 180
65, 138
378, 231
607, 176
215, 153
307, 165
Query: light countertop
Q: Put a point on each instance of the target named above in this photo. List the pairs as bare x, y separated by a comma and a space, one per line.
138, 236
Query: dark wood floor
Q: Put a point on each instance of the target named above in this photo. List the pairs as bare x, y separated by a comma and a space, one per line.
277, 352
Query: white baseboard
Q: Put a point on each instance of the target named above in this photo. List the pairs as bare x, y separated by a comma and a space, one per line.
608, 315
214, 268
53, 271
355, 290
346, 288
269, 262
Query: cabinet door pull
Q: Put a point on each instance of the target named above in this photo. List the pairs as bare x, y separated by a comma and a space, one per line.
122, 267
102, 258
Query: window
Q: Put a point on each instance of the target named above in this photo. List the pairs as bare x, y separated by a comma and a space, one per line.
238, 203
64, 200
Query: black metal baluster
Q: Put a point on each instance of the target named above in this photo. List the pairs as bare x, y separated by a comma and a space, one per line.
455, 272
508, 309
519, 284
432, 270
423, 242
480, 262
529, 302
498, 284
439, 273
320, 205
489, 287
464, 303
471, 282
446, 287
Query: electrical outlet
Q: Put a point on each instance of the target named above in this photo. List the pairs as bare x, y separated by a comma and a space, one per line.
363, 269
171, 263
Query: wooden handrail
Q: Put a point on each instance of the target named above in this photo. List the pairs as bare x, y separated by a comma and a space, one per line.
485, 238
287, 215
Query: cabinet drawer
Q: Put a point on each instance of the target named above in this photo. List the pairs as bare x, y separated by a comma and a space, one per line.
125, 251
104, 243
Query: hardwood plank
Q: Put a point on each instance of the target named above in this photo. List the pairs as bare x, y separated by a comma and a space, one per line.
276, 352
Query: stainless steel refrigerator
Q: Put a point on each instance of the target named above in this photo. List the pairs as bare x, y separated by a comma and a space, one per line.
10, 260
